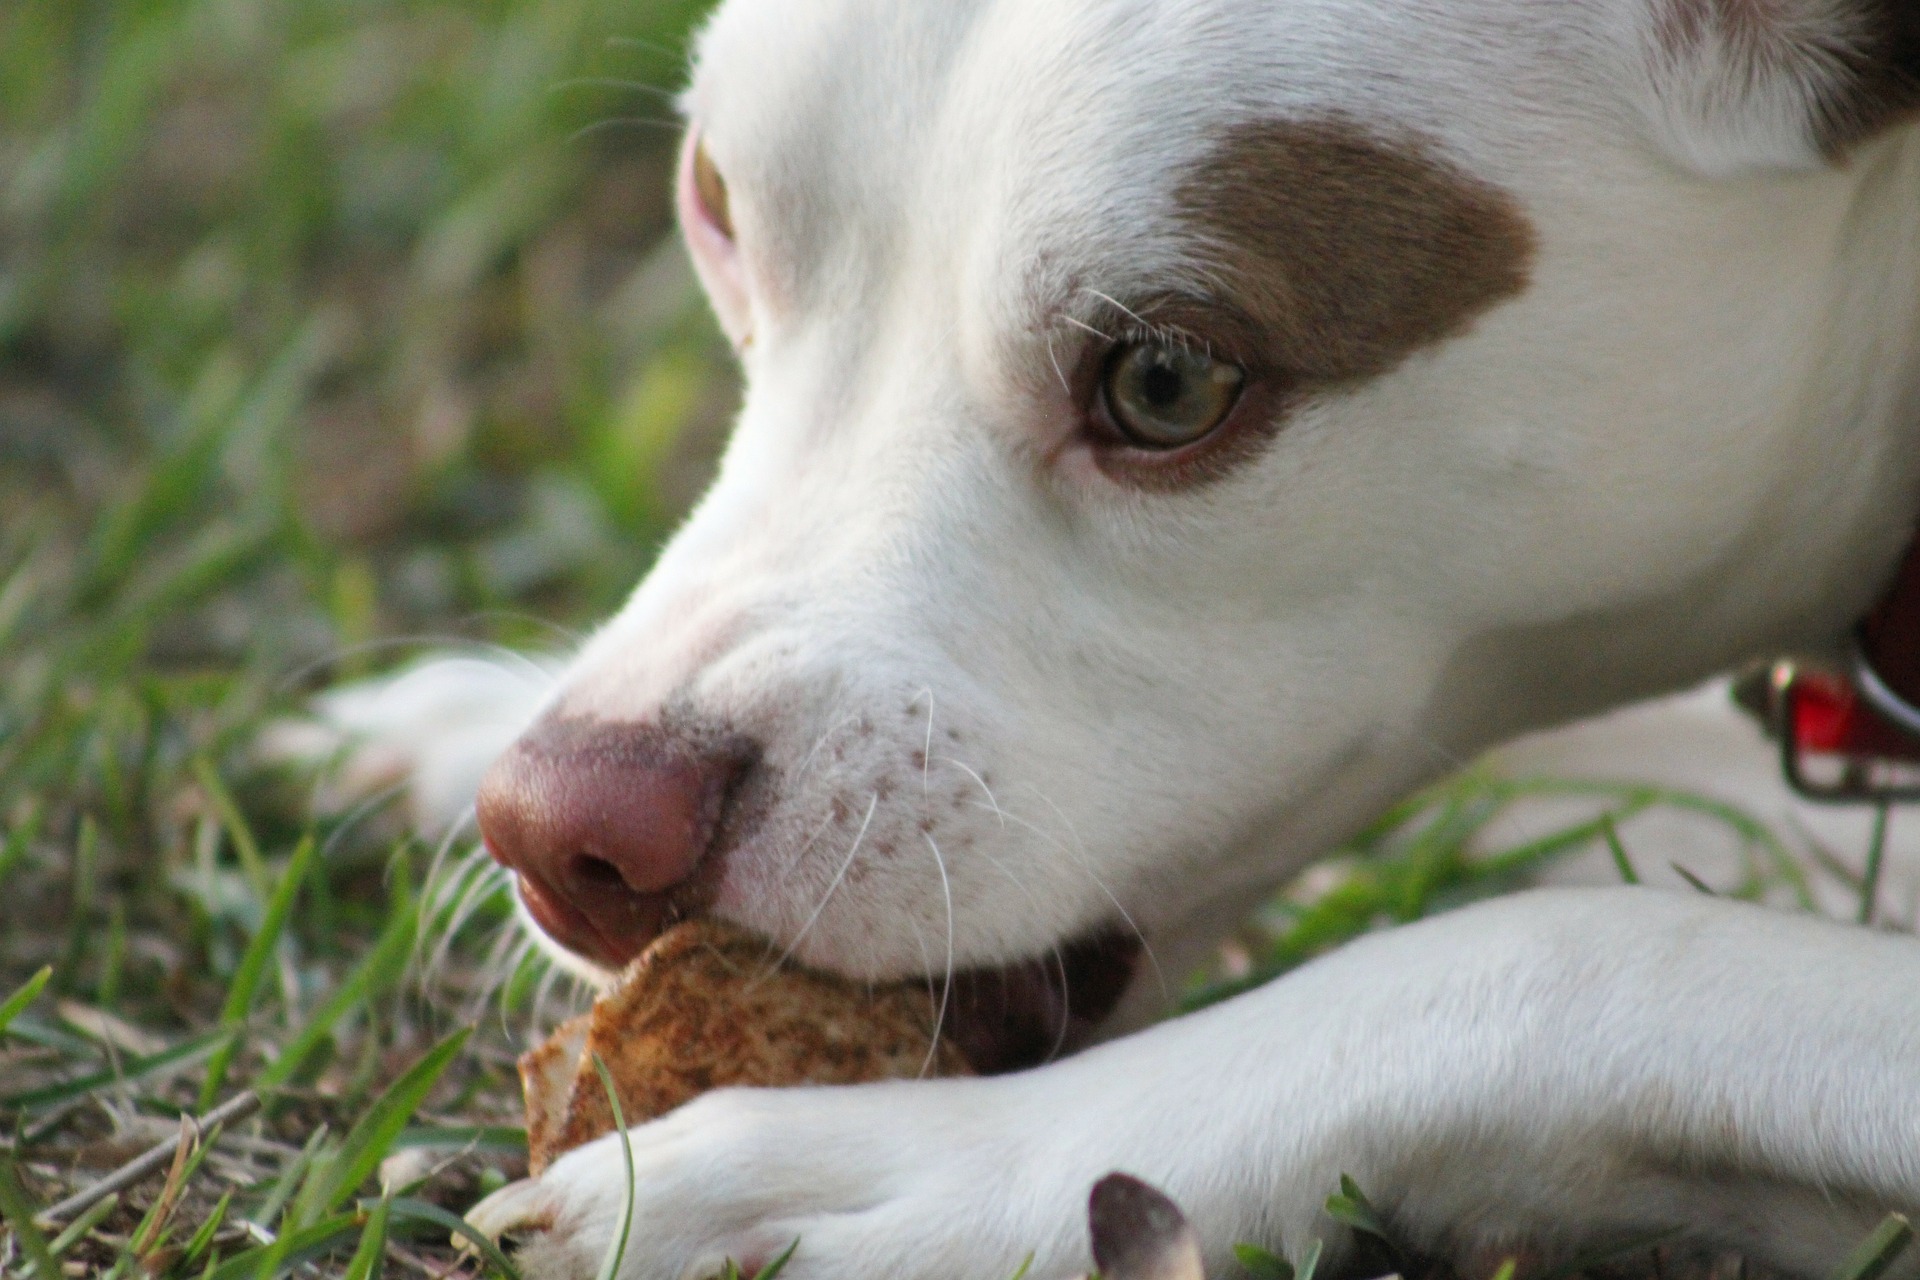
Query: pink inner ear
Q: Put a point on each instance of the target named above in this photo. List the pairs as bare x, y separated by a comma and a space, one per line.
715, 255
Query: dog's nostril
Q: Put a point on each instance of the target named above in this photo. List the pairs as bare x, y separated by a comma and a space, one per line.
590, 872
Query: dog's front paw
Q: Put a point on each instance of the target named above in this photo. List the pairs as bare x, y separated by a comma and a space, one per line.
428, 731
901, 1181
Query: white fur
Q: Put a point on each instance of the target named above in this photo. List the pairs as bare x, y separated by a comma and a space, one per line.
1021, 701
1492, 1076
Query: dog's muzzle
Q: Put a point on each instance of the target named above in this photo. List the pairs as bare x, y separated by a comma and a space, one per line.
609, 828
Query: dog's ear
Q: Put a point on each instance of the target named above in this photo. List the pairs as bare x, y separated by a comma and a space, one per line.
1736, 85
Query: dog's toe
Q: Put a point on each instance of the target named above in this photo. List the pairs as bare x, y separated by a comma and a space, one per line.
516, 1208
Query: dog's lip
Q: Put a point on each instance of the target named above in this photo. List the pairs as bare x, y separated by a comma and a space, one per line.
570, 927
1026, 1014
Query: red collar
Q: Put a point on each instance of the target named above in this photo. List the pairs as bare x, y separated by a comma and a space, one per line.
1854, 735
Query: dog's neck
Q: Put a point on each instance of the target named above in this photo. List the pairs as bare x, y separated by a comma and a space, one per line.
1819, 550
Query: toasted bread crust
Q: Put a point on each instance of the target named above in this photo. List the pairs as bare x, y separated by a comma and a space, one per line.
707, 1007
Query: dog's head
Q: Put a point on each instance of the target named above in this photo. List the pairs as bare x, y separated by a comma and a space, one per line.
1174, 429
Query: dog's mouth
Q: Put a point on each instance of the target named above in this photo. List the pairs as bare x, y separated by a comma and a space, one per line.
1022, 1015
1006, 1018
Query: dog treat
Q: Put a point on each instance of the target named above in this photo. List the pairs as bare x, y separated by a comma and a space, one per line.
705, 1007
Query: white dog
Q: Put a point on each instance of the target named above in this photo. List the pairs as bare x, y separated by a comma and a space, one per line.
1174, 431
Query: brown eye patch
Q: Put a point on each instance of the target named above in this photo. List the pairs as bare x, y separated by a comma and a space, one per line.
1348, 251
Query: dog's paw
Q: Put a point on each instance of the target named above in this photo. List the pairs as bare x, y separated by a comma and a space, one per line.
429, 731
901, 1181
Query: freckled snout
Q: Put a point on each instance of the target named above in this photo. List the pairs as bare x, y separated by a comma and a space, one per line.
603, 821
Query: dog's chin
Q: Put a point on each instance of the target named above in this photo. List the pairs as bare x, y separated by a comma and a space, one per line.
1022, 1015
1005, 1018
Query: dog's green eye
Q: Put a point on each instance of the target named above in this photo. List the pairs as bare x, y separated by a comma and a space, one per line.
1162, 396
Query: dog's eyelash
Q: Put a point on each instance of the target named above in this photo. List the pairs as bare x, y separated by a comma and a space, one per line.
1138, 331
1157, 335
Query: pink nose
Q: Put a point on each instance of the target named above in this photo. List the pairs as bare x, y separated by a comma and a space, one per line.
602, 821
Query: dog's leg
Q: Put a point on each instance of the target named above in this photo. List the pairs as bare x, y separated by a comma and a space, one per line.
1560, 1068
428, 732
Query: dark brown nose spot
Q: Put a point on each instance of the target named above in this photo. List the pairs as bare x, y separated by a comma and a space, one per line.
602, 820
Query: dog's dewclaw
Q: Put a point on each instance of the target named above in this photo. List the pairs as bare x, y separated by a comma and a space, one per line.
705, 1007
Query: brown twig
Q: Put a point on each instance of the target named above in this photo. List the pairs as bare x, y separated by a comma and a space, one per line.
151, 1161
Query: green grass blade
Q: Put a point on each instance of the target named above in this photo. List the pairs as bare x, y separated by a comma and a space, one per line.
10, 1008
288, 1252
1880, 1250
291, 1178
408, 1209
1350, 1207
13, 850
245, 846
617, 1250
1622, 863
253, 967
197, 1246
18, 1213
1876, 858
379, 972
129, 1071
365, 1264
773, 1269
339, 1174
1262, 1264
1698, 885
86, 893
1309, 1262
76, 1230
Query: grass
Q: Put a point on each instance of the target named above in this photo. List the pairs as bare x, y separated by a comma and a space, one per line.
328, 329
331, 330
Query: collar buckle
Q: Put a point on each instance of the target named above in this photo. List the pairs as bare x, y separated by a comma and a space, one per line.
1844, 738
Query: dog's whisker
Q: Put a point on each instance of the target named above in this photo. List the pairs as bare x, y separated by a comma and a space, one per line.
1078, 323
1121, 307
479, 880
926, 751
1079, 856
677, 53
798, 859
1007, 871
465, 889
979, 781
496, 970
543, 996
447, 869
946, 987
826, 735
1054, 359
494, 987
853, 851
614, 82
625, 122
1066, 1002
926, 968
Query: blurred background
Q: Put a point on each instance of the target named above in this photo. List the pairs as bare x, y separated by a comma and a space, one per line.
330, 331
